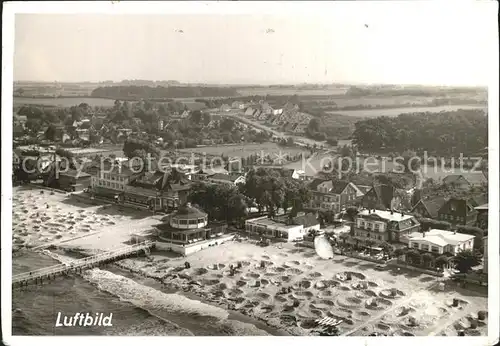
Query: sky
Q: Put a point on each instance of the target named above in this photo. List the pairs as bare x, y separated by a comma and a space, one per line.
388, 43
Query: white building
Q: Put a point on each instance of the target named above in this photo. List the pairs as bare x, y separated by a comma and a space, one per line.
281, 229
439, 241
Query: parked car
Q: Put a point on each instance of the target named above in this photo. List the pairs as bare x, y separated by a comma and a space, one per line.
380, 267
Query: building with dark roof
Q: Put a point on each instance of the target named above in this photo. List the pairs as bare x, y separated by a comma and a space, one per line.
459, 211
129, 185
429, 207
329, 195
379, 196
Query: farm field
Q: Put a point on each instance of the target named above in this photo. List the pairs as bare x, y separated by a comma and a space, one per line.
394, 112
391, 101
92, 101
292, 91
245, 150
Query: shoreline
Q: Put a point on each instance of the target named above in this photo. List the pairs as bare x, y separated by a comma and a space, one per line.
64, 254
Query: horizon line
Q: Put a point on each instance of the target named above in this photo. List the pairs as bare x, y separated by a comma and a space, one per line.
181, 83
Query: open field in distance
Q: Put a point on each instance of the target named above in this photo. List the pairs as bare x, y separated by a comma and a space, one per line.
394, 112
245, 150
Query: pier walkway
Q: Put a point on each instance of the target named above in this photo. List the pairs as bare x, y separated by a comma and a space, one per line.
76, 266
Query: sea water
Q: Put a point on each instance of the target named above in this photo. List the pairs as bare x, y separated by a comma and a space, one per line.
139, 306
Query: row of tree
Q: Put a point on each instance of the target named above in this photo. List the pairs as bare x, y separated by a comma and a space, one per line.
136, 92
462, 131
220, 202
271, 190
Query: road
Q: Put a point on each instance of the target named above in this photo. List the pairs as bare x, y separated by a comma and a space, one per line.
297, 139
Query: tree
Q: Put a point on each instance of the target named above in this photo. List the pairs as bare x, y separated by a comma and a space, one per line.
33, 125
206, 119
426, 224
332, 141
314, 125
344, 237
386, 248
464, 260
50, 133
441, 261
64, 153
134, 147
427, 259
196, 116
412, 256
227, 124
369, 244
398, 252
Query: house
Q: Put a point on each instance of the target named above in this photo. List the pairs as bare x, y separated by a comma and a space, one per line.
283, 228
237, 105
460, 211
266, 108
137, 121
128, 185
230, 179
301, 128
383, 226
332, 196
225, 108
277, 111
73, 180
249, 111
263, 117
20, 120
110, 179
482, 216
476, 179
379, 196
457, 181
184, 114
439, 241
124, 132
429, 207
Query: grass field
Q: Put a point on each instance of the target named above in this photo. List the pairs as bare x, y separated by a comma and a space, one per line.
63, 102
292, 91
92, 101
394, 112
245, 150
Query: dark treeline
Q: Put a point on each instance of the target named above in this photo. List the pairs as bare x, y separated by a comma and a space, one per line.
408, 91
461, 131
133, 92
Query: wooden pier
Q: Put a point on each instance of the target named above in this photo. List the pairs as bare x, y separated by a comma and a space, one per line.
76, 266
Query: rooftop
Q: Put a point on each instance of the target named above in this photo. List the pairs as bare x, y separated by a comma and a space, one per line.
441, 237
283, 221
386, 215
188, 211
482, 207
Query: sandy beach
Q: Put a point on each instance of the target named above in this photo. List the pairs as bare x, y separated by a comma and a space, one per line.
318, 288
40, 217
286, 286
